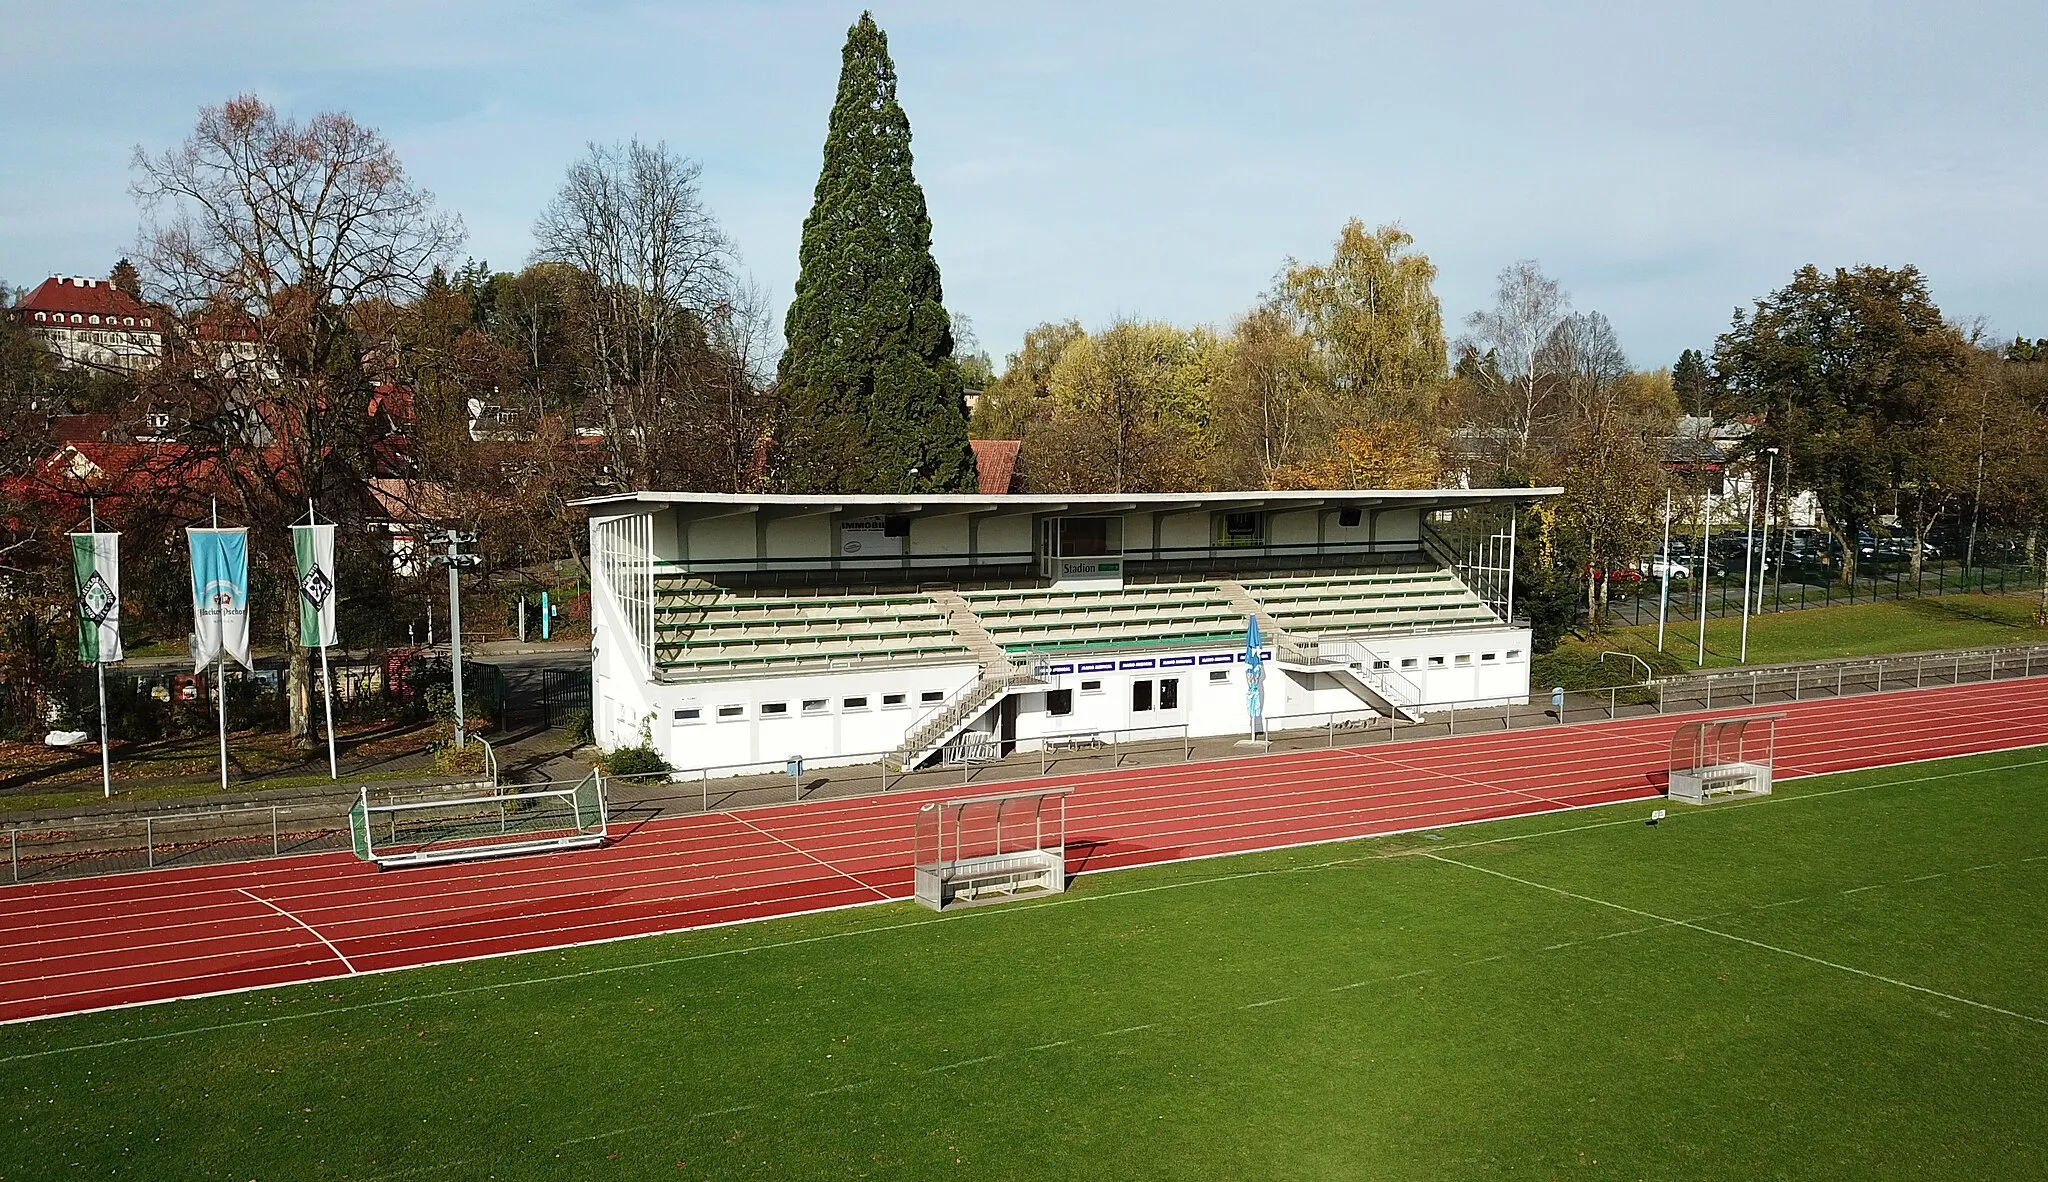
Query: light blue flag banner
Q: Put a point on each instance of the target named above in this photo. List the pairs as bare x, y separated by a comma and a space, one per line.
1254, 675
220, 596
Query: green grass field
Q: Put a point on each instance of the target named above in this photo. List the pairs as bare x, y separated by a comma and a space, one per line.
1810, 634
1846, 980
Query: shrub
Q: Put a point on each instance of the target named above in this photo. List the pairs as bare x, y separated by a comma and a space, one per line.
577, 723
633, 761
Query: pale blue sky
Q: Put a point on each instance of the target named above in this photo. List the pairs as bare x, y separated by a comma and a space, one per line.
1665, 162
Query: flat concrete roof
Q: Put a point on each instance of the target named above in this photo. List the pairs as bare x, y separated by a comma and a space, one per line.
940, 503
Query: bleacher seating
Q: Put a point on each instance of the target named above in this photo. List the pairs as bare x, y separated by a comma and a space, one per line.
1033, 619
1406, 599
704, 630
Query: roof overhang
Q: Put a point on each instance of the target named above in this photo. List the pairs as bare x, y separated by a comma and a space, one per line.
697, 505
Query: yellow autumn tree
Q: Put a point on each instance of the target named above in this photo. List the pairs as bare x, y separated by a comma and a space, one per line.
1391, 454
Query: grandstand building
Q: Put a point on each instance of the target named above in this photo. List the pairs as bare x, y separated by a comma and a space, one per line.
730, 631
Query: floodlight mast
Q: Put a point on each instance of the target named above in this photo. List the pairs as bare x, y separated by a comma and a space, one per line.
455, 560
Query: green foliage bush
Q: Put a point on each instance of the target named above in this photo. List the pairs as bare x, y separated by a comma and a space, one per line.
634, 761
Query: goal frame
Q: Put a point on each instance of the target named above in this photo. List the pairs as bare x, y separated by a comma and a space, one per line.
1723, 758
590, 825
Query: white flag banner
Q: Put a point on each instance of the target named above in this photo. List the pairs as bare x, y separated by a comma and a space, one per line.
96, 570
220, 596
313, 548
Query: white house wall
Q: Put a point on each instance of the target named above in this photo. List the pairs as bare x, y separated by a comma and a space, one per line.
731, 732
1483, 667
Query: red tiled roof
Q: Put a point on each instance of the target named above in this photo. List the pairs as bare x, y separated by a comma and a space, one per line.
996, 462
86, 297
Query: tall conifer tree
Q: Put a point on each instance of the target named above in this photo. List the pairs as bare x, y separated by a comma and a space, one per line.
871, 398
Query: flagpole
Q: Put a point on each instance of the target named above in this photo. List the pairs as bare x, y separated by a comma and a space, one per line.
326, 679
1664, 592
221, 674
1706, 550
100, 670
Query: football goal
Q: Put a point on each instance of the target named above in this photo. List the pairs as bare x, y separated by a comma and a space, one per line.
985, 849
493, 824
1716, 758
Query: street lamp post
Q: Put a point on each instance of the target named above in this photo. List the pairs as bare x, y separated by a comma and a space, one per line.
455, 559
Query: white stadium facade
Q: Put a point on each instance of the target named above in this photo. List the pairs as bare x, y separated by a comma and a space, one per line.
736, 632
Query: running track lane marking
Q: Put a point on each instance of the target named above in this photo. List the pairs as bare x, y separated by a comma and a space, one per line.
815, 858
310, 929
1688, 924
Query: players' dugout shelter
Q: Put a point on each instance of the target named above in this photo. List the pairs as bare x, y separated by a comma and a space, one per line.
1717, 758
989, 848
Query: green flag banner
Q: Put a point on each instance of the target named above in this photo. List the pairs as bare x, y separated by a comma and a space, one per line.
96, 569
313, 546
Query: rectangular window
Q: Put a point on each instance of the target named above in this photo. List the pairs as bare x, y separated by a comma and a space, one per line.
690, 714
1436, 662
930, 696
1464, 658
1489, 658
816, 706
1059, 703
1141, 695
774, 709
1514, 654
853, 704
895, 527
891, 701
1088, 537
1091, 687
1408, 662
1381, 664
1169, 693
1219, 677
727, 713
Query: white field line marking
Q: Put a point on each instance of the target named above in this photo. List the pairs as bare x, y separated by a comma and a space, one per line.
662, 962
1046, 1046
1925, 877
1449, 775
1779, 903
1985, 866
1378, 980
1859, 890
310, 929
859, 1083
964, 1063
813, 857
1126, 1030
1259, 1005
1692, 926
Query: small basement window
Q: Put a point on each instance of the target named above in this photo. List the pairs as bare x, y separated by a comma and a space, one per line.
853, 704
774, 709
816, 705
730, 712
1091, 687
890, 701
1464, 658
1382, 664
1489, 658
930, 696
690, 714
1436, 662
1059, 702
1409, 662
1514, 654
1219, 677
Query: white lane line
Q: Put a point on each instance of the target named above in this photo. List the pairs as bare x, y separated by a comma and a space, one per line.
1692, 926
310, 929
813, 857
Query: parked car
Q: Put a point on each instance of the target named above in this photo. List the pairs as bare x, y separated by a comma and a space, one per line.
1654, 567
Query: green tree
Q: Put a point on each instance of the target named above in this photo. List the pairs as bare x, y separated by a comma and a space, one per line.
871, 397
1130, 412
1021, 398
1374, 316
1849, 374
1693, 383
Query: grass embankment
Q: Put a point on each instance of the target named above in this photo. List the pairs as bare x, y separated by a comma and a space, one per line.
1812, 634
1857, 989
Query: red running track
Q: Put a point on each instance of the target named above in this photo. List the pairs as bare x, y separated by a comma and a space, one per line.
67, 947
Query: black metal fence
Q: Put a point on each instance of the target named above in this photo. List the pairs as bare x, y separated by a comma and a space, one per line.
1800, 588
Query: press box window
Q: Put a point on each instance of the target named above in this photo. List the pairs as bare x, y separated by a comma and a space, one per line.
774, 709
690, 714
816, 705
1059, 703
730, 712
1240, 529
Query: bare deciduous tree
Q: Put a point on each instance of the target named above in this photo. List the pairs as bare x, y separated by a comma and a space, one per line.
1528, 307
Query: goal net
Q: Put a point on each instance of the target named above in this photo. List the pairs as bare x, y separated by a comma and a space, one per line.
984, 849
412, 832
1718, 758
